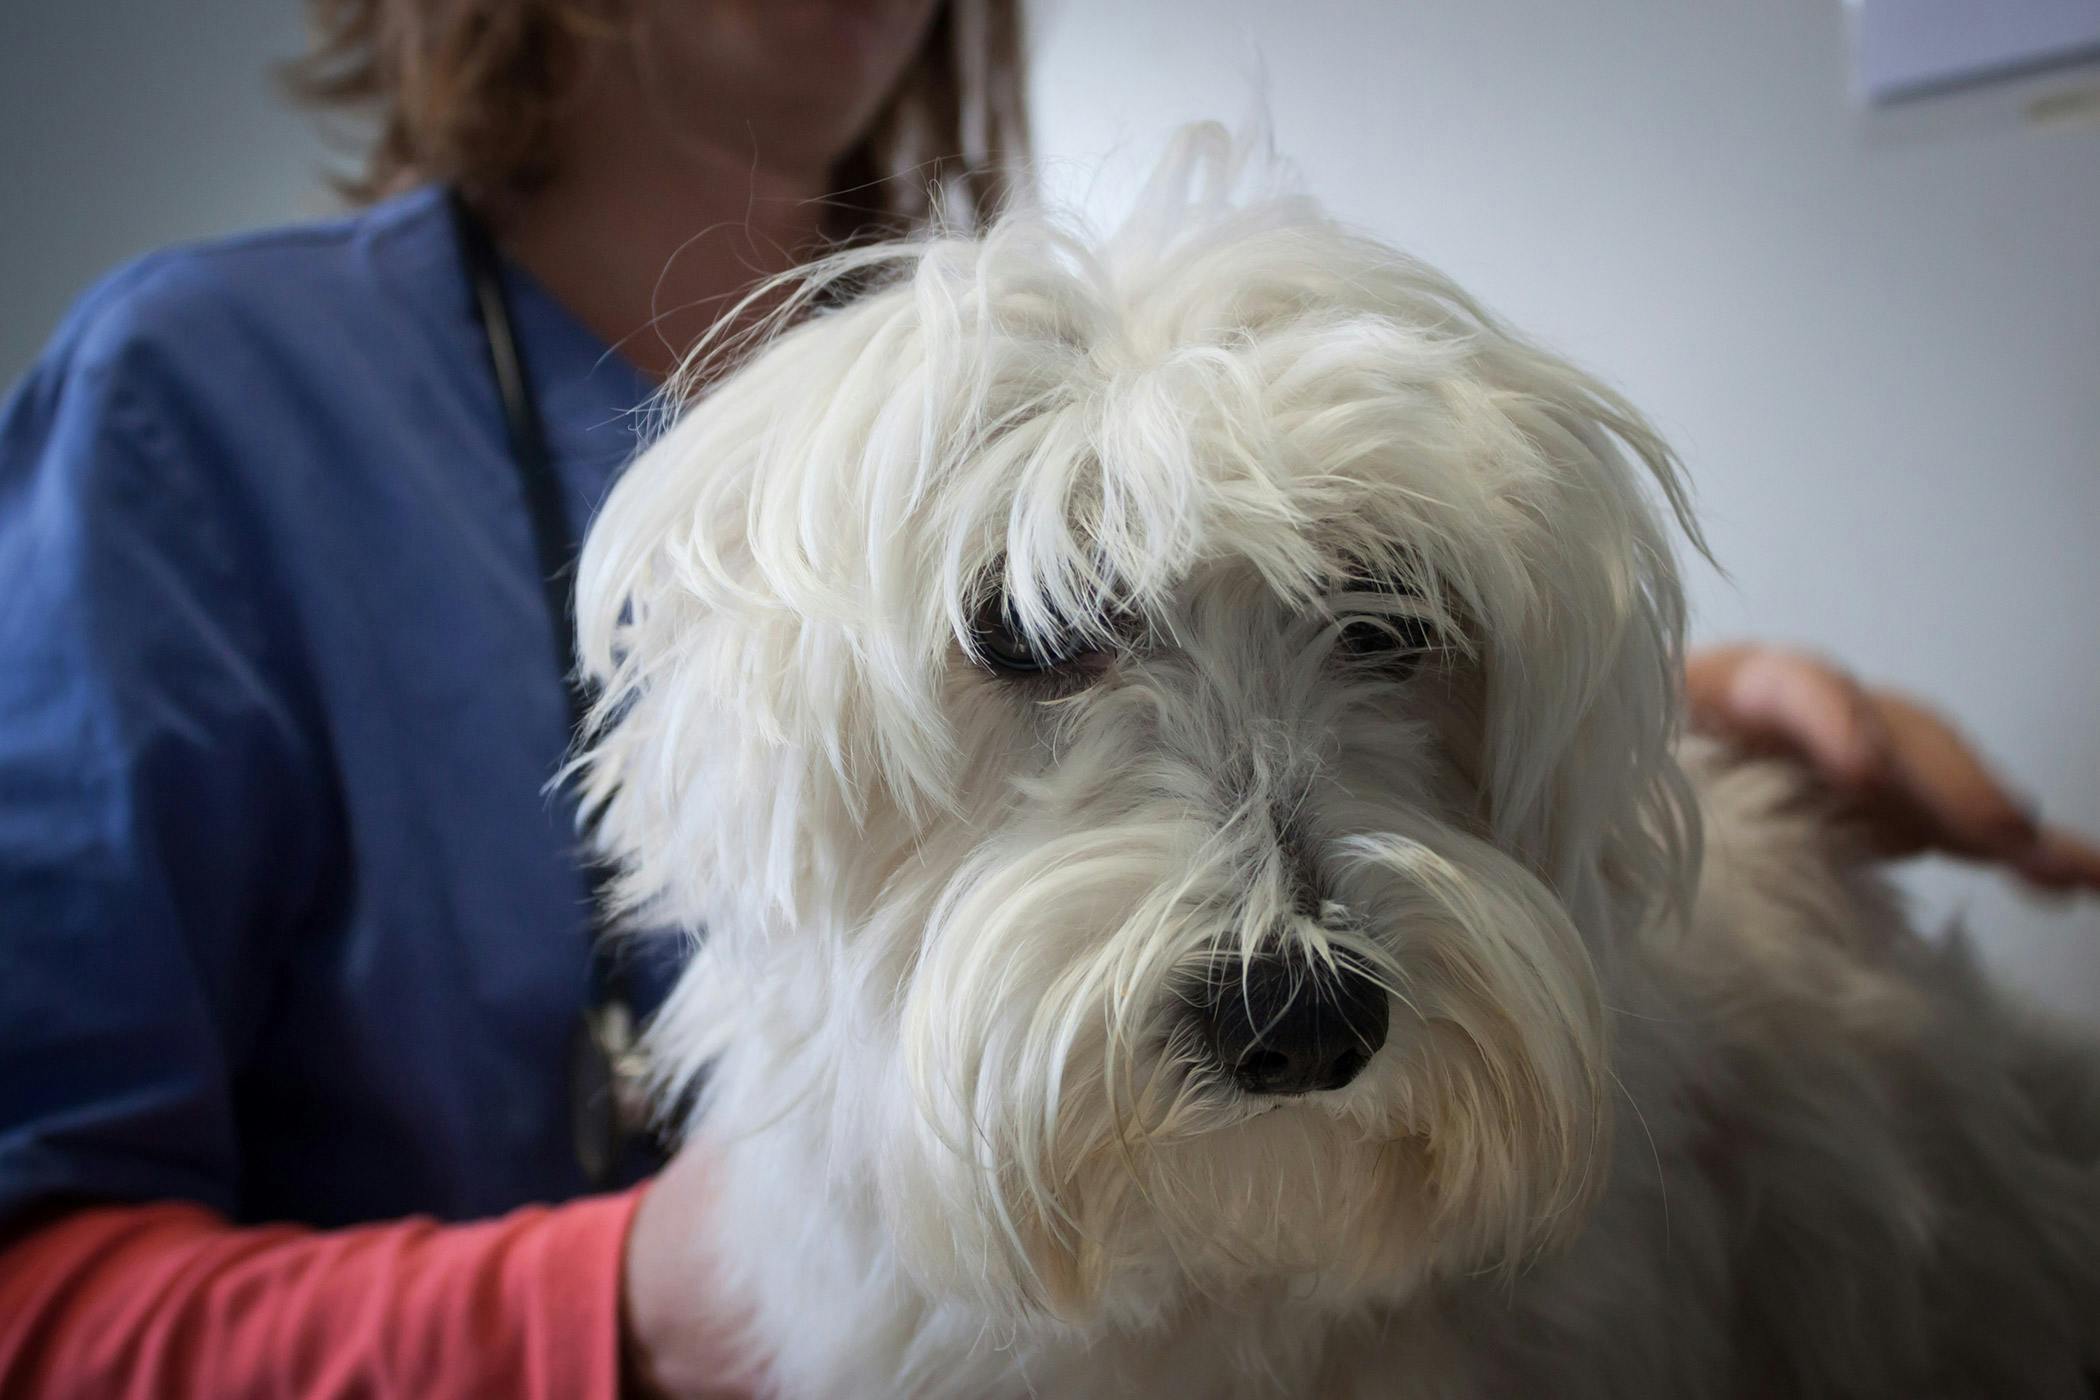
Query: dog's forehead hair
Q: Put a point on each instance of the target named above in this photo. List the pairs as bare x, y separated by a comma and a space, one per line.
1104, 544
1343, 578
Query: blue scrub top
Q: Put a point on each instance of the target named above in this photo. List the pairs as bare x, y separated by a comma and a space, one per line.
288, 924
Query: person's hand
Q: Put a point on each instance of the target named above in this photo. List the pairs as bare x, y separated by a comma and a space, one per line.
1897, 768
681, 1331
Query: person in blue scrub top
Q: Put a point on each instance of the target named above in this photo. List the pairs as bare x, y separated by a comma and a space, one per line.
290, 925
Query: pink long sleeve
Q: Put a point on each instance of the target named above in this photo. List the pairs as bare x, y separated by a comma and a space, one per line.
169, 1301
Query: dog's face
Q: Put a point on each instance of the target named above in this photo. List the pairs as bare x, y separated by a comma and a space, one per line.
1163, 739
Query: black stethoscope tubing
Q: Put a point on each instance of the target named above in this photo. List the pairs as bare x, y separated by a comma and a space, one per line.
603, 1123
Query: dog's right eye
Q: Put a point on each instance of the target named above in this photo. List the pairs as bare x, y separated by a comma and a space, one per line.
1394, 643
999, 644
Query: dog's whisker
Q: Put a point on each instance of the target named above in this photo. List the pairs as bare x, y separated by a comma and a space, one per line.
1662, 1184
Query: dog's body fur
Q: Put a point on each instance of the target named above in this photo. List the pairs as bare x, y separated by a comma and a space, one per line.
1645, 1123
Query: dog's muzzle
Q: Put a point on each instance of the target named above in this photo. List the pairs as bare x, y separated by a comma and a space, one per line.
1286, 1022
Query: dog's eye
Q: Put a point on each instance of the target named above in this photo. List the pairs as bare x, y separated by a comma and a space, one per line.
1392, 643
1000, 644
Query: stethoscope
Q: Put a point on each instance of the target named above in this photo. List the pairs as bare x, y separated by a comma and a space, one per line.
607, 1110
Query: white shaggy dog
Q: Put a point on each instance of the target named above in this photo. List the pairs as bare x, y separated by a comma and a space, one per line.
1172, 743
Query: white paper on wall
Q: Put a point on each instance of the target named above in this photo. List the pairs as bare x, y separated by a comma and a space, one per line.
1905, 48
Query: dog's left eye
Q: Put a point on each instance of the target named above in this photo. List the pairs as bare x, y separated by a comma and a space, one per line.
1000, 644
1393, 643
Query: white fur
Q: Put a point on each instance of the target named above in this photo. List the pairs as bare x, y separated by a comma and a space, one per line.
1642, 1126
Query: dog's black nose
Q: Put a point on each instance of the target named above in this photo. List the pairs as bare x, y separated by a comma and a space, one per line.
1291, 1023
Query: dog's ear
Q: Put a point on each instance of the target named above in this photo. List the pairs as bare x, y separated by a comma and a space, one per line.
751, 602
714, 621
1584, 670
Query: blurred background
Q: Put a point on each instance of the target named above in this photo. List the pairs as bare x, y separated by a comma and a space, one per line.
1871, 329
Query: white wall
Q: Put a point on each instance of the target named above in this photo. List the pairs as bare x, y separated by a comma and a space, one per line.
1875, 338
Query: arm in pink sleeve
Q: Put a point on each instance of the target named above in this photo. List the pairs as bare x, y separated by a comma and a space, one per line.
169, 1301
